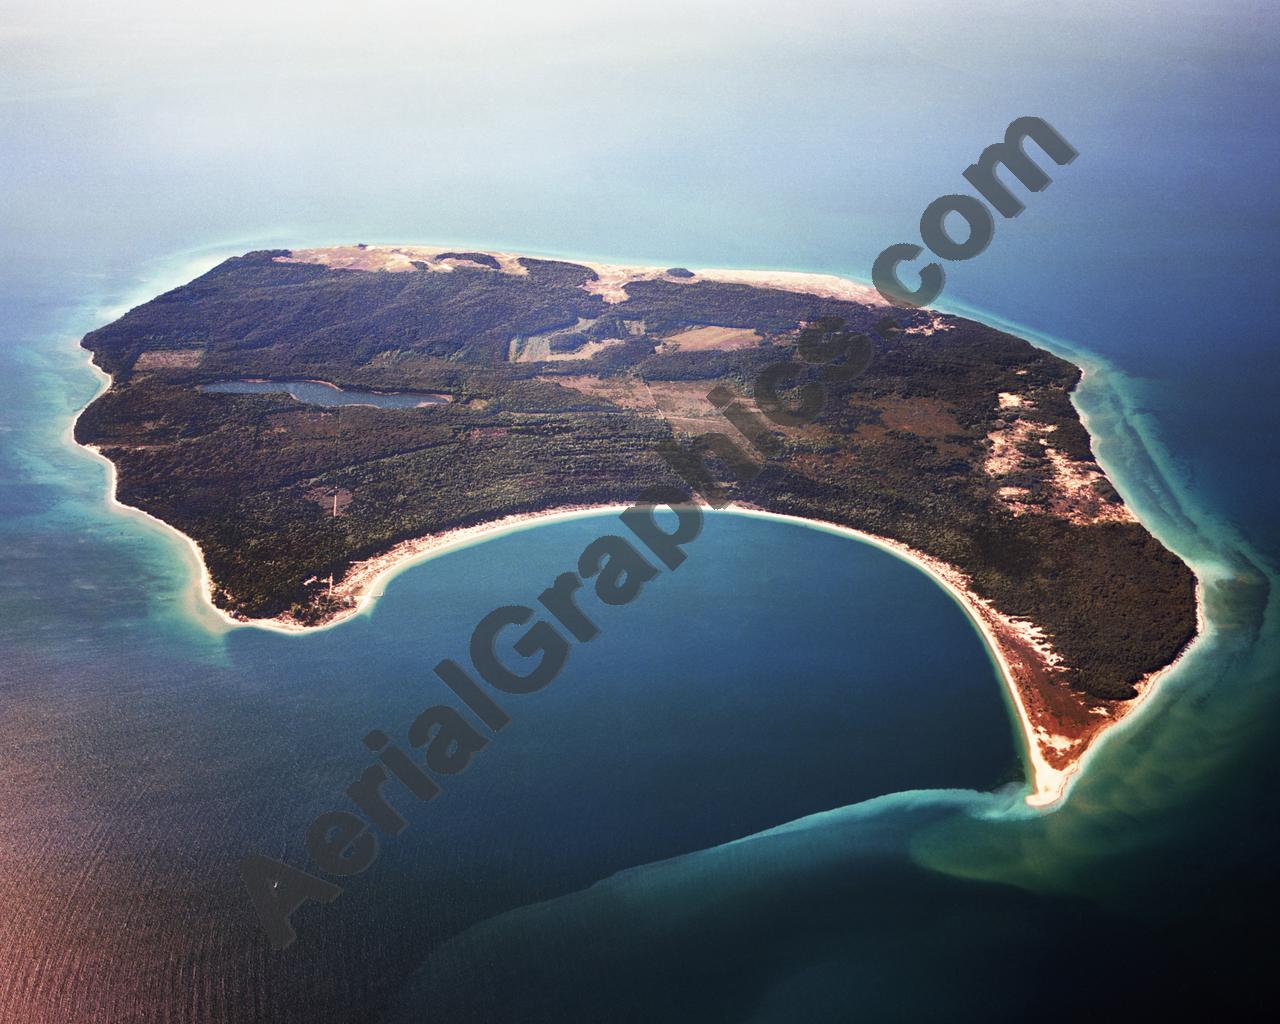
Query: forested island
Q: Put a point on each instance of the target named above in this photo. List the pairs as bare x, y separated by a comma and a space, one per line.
562, 382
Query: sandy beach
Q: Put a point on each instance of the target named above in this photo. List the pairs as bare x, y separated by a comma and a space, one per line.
1023, 658
1058, 725
1020, 653
612, 277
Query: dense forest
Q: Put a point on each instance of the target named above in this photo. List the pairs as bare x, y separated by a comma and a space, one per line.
899, 450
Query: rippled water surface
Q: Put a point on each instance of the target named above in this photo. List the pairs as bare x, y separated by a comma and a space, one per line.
782, 785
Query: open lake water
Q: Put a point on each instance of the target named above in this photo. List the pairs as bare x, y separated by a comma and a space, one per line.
783, 784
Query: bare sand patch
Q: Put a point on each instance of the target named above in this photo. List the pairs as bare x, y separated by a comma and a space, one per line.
588, 351
1008, 400
1074, 491
611, 278
1076, 494
536, 348
1007, 454
708, 339
397, 259
935, 326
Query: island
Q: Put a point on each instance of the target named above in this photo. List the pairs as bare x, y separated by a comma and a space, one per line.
311, 419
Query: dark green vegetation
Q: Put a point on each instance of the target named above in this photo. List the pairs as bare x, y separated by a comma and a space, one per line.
482, 258
898, 451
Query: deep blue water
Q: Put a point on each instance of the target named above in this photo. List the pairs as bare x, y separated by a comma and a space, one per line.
147, 749
316, 392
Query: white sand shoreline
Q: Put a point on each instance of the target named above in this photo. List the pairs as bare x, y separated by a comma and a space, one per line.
363, 582
612, 277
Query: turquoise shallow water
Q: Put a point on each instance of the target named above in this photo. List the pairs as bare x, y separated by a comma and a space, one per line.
707, 712
147, 748
780, 672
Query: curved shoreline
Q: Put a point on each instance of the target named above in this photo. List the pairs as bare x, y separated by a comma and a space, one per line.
362, 579
365, 581
1008, 641
611, 278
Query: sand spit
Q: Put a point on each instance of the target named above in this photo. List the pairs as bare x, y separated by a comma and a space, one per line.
1058, 725
1019, 648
